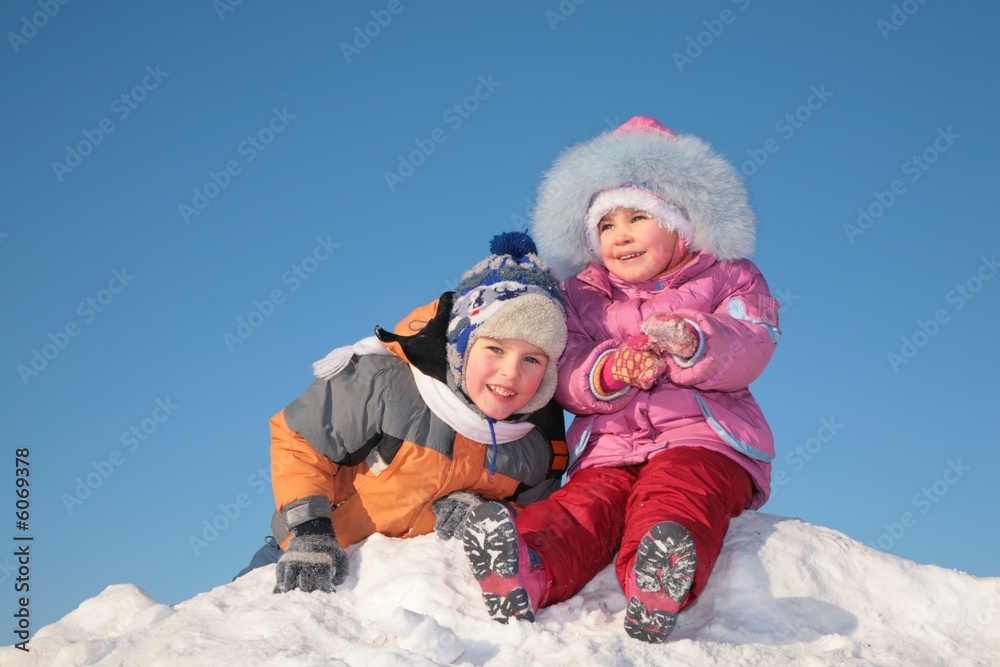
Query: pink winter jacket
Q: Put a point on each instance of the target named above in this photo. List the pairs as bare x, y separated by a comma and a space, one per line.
705, 402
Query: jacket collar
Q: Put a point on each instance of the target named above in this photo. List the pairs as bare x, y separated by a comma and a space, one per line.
596, 275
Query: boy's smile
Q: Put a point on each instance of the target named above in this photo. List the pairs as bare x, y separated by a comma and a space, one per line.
502, 376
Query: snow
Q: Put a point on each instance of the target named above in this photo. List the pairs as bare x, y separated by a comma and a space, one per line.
783, 592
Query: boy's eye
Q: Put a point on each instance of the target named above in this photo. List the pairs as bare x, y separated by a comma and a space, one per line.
605, 226
494, 349
532, 360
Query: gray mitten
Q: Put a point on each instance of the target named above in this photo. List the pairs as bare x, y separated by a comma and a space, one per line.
314, 560
450, 513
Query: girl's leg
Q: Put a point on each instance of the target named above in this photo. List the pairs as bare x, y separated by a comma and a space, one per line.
553, 548
512, 584
577, 530
676, 522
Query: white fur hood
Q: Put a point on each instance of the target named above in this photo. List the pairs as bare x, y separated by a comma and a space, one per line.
681, 169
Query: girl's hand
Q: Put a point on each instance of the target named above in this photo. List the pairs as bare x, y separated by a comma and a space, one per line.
671, 334
636, 362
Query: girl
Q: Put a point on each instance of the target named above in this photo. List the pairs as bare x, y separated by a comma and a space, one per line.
668, 325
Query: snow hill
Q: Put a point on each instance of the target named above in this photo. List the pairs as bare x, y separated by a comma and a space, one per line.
783, 593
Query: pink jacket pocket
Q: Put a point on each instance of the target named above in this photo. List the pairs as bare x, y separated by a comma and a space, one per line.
739, 421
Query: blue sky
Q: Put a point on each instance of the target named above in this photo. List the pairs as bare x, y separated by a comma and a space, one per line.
200, 199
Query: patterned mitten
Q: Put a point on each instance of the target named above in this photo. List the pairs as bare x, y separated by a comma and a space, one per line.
636, 363
671, 334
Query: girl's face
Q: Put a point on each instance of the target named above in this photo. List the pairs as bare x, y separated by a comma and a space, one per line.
502, 376
634, 247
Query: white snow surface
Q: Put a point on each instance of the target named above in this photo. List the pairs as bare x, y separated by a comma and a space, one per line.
783, 592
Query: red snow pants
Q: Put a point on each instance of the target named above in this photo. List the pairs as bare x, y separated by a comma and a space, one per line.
577, 530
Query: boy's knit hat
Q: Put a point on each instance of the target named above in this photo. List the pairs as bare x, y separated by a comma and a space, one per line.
644, 165
512, 294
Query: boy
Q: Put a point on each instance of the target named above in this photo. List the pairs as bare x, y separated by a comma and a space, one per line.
402, 435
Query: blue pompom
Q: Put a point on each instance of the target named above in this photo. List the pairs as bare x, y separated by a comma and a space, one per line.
515, 244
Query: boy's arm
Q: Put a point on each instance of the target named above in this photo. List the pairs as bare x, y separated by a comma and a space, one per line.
302, 478
303, 475
312, 558
334, 423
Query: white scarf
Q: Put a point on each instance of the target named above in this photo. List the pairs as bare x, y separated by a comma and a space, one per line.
442, 401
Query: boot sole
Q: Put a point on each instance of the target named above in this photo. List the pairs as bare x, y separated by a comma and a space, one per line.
492, 549
662, 576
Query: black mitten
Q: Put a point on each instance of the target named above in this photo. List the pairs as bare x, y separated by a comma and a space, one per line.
313, 561
451, 511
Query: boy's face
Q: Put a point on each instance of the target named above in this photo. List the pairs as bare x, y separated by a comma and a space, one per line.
502, 376
634, 246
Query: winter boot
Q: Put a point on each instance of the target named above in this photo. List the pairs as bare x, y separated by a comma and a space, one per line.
659, 581
500, 561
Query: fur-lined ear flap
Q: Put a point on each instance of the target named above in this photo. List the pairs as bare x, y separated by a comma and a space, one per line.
426, 348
